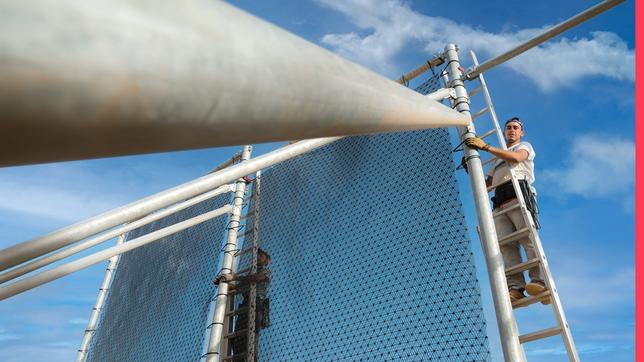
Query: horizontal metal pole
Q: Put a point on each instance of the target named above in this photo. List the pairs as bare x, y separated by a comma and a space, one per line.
36, 247
420, 70
48, 259
541, 38
227, 163
88, 79
65, 269
441, 94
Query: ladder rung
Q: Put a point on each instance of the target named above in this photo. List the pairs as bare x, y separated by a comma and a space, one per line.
235, 357
506, 210
544, 333
487, 134
515, 236
236, 334
489, 160
492, 187
243, 251
475, 91
248, 216
238, 290
522, 266
243, 271
482, 111
523, 302
236, 311
250, 231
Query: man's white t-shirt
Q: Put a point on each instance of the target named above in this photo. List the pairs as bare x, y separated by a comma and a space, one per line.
523, 170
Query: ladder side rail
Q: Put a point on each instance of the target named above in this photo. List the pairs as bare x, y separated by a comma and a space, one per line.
488, 99
251, 344
547, 275
508, 331
556, 304
83, 351
534, 235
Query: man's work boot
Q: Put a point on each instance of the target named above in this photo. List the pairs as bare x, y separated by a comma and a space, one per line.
516, 294
535, 288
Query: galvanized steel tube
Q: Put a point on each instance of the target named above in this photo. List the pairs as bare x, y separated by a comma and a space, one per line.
76, 265
543, 37
88, 79
213, 353
508, 331
41, 245
46, 260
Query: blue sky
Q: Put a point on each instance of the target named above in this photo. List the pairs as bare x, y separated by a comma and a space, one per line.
576, 95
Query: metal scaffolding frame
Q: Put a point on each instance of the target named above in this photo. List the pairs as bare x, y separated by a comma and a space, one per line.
415, 111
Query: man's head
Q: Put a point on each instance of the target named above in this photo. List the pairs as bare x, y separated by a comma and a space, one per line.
263, 257
513, 130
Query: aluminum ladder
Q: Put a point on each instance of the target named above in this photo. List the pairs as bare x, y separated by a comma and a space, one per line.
562, 328
243, 317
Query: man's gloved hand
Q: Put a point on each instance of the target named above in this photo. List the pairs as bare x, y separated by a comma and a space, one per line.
222, 278
477, 144
464, 164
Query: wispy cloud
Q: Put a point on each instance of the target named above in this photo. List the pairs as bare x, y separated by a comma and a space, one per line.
596, 166
6, 335
386, 28
581, 349
588, 289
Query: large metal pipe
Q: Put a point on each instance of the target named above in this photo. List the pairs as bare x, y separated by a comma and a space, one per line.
88, 79
508, 330
76, 265
77, 248
36, 247
541, 38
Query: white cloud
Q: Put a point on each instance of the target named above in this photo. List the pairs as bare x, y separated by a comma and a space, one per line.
390, 26
71, 191
5, 335
596, 166
595, 290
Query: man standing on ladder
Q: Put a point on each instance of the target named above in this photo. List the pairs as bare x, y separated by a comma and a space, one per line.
519, 157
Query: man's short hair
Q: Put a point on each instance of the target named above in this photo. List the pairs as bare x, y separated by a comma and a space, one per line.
260, 251
515, 119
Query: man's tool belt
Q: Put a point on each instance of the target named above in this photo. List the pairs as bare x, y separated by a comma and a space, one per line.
505, 192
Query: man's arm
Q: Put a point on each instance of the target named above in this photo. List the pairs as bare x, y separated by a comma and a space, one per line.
511, 156
249, 278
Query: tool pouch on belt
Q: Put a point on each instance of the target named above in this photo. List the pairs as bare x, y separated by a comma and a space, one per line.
505, 192
264, 307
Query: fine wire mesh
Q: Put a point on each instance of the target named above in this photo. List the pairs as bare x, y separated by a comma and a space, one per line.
157, 306
371, 258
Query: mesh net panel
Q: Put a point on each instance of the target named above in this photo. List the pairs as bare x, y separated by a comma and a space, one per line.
157, 307
370, 261
370, 254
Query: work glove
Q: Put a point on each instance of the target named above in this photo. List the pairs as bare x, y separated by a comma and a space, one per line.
225, 278
464, 164
477, 144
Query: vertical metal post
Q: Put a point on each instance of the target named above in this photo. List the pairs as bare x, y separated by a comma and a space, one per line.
98, 306
508, 331
216, 330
